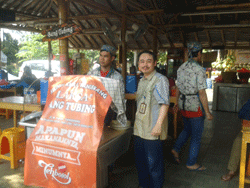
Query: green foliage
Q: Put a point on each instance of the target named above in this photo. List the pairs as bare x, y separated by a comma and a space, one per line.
130, 57
32, 48
12, 69
162, 58
10, 48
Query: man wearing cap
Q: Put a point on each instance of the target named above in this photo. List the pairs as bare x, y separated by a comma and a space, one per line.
106, 61
107, 70
193, 103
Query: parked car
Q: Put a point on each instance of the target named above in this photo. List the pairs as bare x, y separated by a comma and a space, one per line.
39, 67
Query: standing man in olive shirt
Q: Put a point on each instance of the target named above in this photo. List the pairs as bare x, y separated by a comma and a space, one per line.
150, 127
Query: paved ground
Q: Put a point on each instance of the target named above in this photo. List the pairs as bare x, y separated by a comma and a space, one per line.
216, 145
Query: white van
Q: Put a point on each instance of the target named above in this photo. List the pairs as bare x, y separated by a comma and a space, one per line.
39, 67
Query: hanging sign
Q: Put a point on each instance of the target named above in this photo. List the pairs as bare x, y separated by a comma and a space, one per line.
62, 150
60, 32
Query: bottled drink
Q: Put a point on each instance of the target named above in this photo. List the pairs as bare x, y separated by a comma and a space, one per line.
31, 94
25, 94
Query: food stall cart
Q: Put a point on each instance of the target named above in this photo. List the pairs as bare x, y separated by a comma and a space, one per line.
69, 146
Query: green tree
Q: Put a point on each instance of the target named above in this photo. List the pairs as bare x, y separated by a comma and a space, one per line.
162, 58
10, 49
32, 48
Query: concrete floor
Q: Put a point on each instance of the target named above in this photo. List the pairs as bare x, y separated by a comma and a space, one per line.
215, 149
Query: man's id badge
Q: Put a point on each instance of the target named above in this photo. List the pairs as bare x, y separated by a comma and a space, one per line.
143, 107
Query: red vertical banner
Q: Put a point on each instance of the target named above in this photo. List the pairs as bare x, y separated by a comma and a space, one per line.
62, 149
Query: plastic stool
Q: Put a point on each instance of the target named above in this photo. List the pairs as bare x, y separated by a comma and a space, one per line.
12, 140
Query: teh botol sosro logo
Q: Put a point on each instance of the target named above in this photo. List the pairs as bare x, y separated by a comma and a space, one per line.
55, 173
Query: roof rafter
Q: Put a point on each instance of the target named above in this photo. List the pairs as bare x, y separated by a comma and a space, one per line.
223, 37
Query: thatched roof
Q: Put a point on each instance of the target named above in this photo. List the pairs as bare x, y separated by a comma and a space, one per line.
217, 24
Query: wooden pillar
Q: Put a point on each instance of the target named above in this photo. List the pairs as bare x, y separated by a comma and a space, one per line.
185, 54
120, 54
63, 7
124, 43
1, 48
49, 54
155, 49
135, 57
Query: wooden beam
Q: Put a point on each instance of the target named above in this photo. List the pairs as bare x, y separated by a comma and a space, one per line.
44, 7
196, 36
93, 41
201, 13
190, 18
92, 34
14, 4
84, 48
37, 6
159, 42
94, 20
139, 7
88, 13
90, 16
82, 26
110, 4
186, 25
97, 6
167, 48
243, 5
74, 42
104, 9
63, 13
146, 41
229, 26
235, 38
169, 40
223, 38
100, 39
123, 42
137, 43
32, 4
208, 38
23, 4
48, 8
19, 28
135, 4
142, 12
155, 41
183, 38
31, 21
80, 42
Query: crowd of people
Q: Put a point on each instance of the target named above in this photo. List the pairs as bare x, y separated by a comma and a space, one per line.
151, 120
152, 98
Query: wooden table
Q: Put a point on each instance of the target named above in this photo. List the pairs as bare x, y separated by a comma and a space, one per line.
17, 103
245, 141
113, 144
7, 93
